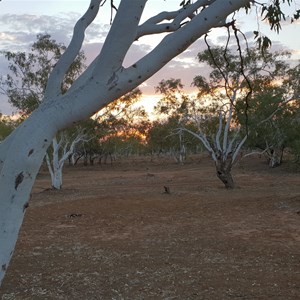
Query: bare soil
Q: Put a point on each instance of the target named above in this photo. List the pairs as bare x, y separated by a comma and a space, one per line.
113, 233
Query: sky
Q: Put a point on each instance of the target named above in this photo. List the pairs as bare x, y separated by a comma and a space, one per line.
21, 21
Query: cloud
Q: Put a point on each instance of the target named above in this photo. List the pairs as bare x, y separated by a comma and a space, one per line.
24, 28
296, 53
33, 23
242, 36
136, 52
91, 50
96, 33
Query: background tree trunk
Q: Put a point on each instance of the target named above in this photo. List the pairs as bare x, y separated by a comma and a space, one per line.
275, 158
57, 179
224, 173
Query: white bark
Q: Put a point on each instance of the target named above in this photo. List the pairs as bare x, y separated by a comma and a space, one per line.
226, 149
55, 171
66, 148
104, 80
55, 166
17, 177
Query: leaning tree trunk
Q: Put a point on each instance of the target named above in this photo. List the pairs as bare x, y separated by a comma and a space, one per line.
24, 156
223, 169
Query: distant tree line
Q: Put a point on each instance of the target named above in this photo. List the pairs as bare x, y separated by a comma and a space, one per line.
247, 104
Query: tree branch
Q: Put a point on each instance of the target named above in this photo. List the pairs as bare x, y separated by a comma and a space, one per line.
218, 135
49, 165
204, 141
56, 77
276, 111
228, 122
154, 25
120, 37
237, 150
176, 42
107, 75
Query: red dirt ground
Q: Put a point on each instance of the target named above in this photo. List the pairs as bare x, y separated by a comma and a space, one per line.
112, 233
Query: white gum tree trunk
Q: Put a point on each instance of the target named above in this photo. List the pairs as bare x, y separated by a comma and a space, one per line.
222, 148
105, 80
55, 166
62, 150
56, 178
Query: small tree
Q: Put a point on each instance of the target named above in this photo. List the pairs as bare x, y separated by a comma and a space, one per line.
224, 142
235, 79
89, 148
173, 107
273, 112
62, 150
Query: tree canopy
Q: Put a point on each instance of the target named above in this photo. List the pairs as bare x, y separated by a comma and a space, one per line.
26, 83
